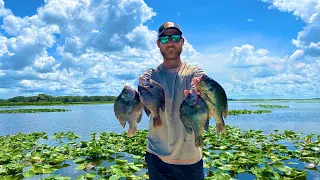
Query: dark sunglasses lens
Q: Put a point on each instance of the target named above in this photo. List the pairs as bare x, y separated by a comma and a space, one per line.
164, 39
175, 38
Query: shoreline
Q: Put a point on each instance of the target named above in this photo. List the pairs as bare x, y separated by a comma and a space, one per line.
8, 104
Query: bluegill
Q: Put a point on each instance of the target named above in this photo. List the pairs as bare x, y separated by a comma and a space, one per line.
128, 109
194, 116
215, 98
153, 99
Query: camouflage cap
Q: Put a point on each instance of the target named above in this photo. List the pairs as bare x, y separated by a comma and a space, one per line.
168, 25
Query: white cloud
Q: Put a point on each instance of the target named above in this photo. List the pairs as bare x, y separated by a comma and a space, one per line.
3, 10
44, 63
250, 20
98, 44
245, 56
305, 9
256, 74
91, 47
297, 55
31, 37
308, 40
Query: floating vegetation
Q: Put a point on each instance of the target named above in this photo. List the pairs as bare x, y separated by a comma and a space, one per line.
245, 111
114, 156
270, 106
32, 110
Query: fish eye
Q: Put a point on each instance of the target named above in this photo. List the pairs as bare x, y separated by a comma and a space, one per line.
151, 86
192, 106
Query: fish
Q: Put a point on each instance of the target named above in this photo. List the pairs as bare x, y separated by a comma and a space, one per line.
194, 116
215, 98
128, 109
153, 99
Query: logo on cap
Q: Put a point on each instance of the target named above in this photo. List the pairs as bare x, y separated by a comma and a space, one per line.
168, 24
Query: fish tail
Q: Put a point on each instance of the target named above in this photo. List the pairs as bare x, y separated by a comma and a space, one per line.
225, 112
123, 123
157, 122
221, 127
132, 131
199, 141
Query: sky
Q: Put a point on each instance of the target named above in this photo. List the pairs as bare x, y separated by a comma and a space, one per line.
252, 48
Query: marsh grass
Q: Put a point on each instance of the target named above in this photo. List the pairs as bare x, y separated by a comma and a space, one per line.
270, 106
245, 111
114, 156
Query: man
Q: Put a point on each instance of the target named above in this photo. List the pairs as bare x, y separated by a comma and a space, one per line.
171, 152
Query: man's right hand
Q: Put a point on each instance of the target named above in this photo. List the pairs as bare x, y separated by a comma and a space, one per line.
196, 81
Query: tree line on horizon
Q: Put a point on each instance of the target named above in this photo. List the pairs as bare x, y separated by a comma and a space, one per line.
49, 98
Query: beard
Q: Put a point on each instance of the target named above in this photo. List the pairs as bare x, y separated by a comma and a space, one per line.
171, 54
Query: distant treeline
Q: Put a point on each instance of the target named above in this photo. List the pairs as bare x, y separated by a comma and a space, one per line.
64, 99
71, 99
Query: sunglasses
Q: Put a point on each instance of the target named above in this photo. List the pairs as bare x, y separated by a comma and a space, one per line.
174, 38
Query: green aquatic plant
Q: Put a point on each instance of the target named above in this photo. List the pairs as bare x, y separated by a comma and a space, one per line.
33, 110
245, 111
270, 106
108, 155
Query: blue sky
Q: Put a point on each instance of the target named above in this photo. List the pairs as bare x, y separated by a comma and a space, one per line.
221, 21
253, 48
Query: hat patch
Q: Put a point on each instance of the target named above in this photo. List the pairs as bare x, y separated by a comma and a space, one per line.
168, 24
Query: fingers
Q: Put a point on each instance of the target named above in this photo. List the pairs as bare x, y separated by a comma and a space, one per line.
185, 92
196, 80
142, 79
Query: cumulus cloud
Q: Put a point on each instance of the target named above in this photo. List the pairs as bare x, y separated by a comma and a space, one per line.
104, 26
95, 47
256, 73
308, 40
30, 38
257, 62
78, 47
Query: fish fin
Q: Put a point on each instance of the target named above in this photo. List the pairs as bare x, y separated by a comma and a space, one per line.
132, 131
157, 122
198, 141
163, 101
147, 111
123, 123
206, 126
163, 106
207, 100
225, 113
220, 126
139, 118
137, 96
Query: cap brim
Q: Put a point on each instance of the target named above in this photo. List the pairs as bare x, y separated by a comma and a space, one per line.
170, 28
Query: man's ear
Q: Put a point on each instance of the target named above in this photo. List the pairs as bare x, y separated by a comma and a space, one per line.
182, 40
158, 43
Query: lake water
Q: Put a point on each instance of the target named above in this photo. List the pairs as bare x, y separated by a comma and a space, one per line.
85, 119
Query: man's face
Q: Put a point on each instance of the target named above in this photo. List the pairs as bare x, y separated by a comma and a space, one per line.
171, 50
